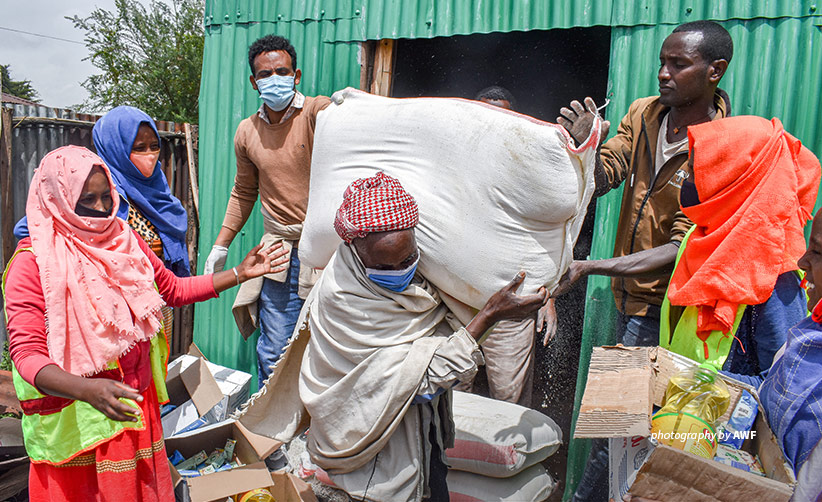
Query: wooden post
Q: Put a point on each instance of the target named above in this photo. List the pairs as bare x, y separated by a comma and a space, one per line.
6, 194
367, 50
192, 169
383, 67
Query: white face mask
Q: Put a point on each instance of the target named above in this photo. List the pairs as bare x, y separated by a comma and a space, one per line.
145, 162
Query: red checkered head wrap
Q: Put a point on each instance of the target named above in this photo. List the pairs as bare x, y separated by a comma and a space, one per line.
375, 204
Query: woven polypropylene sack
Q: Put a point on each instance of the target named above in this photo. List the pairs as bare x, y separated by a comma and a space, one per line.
499, 439
498, 192
531, 485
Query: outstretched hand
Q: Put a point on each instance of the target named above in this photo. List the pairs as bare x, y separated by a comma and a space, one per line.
547, 321
578, 120
506, 304
576, 271
260, 261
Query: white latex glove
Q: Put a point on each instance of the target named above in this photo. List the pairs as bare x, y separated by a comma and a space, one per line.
216, 260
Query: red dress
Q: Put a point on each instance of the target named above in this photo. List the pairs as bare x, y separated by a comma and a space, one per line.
131, 465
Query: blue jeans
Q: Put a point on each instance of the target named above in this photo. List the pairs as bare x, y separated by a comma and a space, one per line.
631, 330
637, 330
279, 308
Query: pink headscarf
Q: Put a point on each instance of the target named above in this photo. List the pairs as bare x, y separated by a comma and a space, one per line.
375, 204
97, 282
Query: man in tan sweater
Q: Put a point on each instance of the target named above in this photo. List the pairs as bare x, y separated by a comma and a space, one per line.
273, 150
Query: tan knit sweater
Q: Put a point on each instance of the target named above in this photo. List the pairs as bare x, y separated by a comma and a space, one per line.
274, 161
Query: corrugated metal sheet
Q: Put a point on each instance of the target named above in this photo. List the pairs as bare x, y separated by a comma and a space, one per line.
654, 12
359, 20
245, 11
776, 72
441, 18
226, 97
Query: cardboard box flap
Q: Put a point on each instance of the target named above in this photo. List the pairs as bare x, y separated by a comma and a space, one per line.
624, 383
673, 476
290, 488
175, 476
766, 447
618, 396
201, 386
262, 445
221, 485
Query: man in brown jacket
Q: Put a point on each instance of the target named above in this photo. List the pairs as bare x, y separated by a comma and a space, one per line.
649, 154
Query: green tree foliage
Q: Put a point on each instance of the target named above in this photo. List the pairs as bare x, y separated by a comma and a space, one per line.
150, 57
19, 88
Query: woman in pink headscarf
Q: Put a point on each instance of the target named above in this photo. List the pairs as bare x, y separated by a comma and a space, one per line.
83, 296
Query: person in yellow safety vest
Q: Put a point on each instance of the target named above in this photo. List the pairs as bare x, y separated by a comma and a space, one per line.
82, 300
735, 290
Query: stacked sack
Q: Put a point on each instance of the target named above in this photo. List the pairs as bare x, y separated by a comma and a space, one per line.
498, 192
496, 455
498, 450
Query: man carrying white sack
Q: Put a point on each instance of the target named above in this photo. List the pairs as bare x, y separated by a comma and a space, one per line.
384, 352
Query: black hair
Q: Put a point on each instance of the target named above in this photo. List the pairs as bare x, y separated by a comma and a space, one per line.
716, 41
270, 43
496, 93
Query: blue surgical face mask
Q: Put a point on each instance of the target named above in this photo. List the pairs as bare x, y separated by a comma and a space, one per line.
394, 280
276, 91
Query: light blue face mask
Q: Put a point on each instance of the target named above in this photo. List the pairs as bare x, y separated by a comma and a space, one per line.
276, 91
394, 280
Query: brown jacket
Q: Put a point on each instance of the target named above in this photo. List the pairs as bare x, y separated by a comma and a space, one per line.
650, 214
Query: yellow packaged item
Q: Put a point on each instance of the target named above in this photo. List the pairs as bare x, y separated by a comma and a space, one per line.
694, 401
257, 495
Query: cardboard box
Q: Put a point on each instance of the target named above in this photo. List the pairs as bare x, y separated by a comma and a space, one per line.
624, 383
233, 383
196, 394
289, 488
251, 449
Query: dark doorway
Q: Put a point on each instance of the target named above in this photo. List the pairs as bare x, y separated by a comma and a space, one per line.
544, 70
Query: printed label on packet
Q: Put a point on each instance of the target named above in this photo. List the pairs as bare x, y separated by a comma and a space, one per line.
229, 449
192, 462
209, 469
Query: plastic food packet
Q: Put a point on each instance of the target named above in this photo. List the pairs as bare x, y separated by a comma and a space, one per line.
192, 462
208, 469
738, 458
229, 449
176, 458
741, 422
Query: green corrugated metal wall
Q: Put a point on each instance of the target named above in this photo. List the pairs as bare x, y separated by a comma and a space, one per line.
776, 71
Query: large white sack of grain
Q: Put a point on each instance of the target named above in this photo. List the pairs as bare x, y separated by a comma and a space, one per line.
498, 192
499, 439
531, 485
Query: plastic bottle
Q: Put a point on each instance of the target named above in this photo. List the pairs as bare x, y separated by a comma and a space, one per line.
257, 495
694, 401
